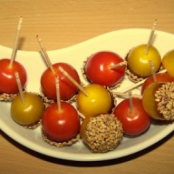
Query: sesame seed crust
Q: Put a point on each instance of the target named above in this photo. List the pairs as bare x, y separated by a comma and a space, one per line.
103, 133
164, 97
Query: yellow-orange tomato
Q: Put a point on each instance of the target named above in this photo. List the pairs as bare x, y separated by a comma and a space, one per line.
29, 112
83, 129
98, 101
139, 62
149, 103
168, 62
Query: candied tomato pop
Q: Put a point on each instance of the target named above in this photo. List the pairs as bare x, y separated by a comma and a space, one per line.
168, 62
27, 108
101, 133
158, 100
105, 68
98, 101
67, 88
131, 114
8, 67
60, 122
138, 59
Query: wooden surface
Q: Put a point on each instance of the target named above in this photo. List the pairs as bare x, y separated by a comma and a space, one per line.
65, 23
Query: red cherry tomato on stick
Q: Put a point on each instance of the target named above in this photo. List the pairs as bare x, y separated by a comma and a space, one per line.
7, 76
133, 123
61, 126
98, 69
67, 88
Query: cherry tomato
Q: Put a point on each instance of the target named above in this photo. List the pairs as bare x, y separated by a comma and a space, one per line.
134, 123
98, 101
97, 68
29, 112
7, 76
67, 88
60, 126
139, 62
168, 62
149, 103
160, 77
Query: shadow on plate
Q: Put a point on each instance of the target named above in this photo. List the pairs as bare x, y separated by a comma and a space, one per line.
88, 163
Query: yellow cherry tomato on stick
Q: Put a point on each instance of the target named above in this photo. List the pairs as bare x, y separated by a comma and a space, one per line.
29, 112
98, 101
139, 62
168, 62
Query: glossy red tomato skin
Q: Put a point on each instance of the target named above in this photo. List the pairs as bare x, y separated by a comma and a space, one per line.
60, 126
160, 77
133, 124
97, 68
7, 76
67, 88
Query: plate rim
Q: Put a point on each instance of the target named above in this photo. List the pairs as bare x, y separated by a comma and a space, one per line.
164, 133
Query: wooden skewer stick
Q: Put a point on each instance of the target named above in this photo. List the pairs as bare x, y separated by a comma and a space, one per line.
58, 94
19, 87
72, 80
137, 84
125, 95
153, 71
15, 42
81, 115
118, 65
47, 60
150, 37
131, 103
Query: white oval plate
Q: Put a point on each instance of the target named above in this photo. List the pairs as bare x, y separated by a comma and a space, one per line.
118, 41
